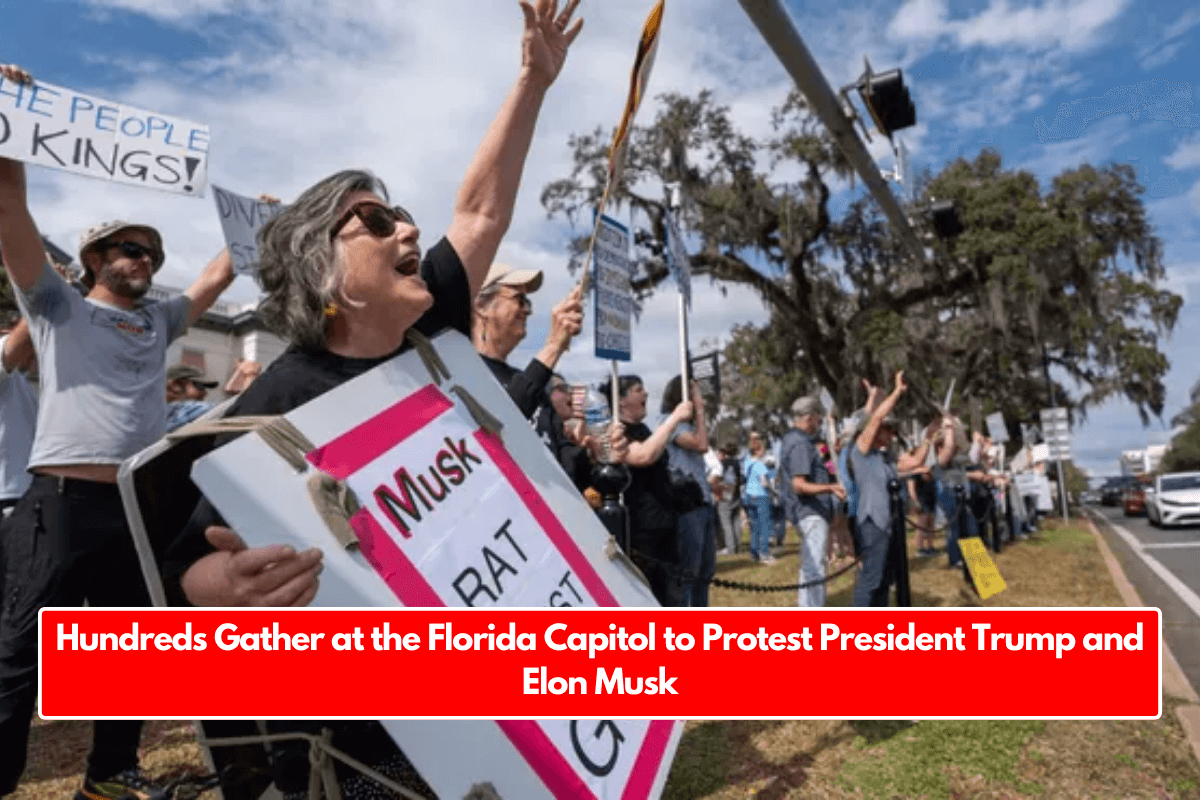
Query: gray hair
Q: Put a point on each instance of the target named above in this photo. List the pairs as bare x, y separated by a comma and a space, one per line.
298, 267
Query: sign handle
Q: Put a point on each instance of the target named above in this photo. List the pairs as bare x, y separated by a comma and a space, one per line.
684, 384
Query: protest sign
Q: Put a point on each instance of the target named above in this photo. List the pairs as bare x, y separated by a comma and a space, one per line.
677, 259
984, 571
706, 371
446, 515
241, 220
613, 295
826, 400
1037, 485
60, 128
997, 430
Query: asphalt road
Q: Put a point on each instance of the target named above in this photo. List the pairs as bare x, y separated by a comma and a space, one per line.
1164, 568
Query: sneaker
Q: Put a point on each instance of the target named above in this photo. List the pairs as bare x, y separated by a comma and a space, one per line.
724, 551
768, 559
130, 784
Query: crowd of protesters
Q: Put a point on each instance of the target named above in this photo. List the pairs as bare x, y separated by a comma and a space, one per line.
84, 385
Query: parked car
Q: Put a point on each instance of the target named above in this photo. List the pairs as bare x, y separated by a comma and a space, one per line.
1175, 499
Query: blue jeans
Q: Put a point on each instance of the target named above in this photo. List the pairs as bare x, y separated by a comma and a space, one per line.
697, 554
778, 525
948, 503
871, 588
759, 511
814, 546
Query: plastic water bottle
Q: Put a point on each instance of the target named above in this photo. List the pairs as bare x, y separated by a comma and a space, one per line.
597, 416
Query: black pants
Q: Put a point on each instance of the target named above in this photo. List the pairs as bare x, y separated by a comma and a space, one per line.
66, 541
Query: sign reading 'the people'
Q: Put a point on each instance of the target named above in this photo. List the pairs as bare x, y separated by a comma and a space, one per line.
241, 220
613, 295
60, 128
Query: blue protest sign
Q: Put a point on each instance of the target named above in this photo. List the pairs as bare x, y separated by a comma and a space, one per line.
613, 294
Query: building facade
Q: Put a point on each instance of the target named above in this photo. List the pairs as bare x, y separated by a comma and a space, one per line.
225, 333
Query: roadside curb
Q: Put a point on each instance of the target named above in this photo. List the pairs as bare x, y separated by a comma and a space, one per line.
1173, 681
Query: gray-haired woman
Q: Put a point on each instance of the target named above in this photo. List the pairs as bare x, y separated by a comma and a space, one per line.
345, 280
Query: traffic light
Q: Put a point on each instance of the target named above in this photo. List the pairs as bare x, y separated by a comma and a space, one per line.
886, 97
945, 218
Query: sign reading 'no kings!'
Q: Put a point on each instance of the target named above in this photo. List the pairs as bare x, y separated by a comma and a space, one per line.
452, 515
68, 130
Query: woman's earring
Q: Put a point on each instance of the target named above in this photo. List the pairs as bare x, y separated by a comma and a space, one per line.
331, 310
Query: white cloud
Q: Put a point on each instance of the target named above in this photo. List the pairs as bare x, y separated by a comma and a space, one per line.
1186, 154
920, 20
1188, 20
1055, 22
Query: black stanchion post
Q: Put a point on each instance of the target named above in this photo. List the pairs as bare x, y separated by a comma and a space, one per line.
960, 496
898, 552
994, 521
1011, 514
610, 480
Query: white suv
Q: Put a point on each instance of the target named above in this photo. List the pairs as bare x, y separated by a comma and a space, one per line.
1175, 500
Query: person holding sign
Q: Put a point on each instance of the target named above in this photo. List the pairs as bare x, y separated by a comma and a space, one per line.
873, 469
345, 279
102, 362
652, 496
502, 309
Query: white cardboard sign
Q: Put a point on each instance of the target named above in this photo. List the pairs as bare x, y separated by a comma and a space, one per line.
241, 220
452, 516
63, 129
997, 430
613, 295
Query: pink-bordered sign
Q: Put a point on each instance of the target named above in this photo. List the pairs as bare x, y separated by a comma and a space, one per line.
371, 442
389, 529
452, 516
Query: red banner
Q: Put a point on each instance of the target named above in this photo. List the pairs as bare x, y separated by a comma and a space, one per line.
613, 663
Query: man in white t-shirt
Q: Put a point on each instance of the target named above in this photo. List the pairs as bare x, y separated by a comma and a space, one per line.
18, 413
102, 364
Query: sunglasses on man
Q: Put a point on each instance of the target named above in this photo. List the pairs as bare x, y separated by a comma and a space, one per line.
135, 252
379, 220
522, 300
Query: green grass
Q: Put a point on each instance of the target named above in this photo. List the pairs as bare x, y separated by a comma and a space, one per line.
915, 761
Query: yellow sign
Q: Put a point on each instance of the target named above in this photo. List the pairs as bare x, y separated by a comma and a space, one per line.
983, 570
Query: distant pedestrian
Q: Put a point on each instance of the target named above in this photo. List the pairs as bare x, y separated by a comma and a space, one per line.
756, 500
808, 492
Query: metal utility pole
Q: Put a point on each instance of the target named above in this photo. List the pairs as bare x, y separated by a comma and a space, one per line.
777, 29
1056, 444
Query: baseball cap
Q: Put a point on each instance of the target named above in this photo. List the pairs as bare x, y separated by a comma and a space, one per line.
527, 280
807, 405
98, 233
184, 372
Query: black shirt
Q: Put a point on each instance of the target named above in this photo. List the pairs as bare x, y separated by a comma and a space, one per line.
652, 516
300, 375
527, 387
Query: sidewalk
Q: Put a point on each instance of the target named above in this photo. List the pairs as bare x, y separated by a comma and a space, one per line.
1173, 680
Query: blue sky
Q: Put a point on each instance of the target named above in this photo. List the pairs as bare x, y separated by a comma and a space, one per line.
295, 90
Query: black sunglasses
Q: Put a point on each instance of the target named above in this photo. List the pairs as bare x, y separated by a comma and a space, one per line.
379, 220
135, 251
